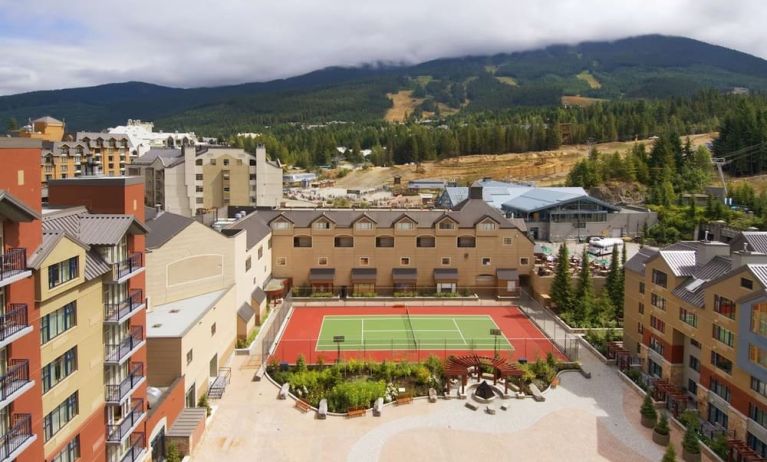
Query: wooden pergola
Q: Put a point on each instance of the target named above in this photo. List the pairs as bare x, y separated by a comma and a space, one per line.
674, 397
621, 355
458, 368
739, 451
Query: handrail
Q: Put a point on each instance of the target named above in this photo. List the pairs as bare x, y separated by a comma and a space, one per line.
116, 352
114, 393
116, 432
12, 261
114, 311
14, 320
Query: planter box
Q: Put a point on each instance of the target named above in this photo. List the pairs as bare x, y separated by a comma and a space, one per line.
690, 457
648, 422
661, 439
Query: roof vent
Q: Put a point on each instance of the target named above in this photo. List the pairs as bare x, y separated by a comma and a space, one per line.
155, 326
475, 192
175, 311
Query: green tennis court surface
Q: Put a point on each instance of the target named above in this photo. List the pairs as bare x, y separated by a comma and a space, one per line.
398, 332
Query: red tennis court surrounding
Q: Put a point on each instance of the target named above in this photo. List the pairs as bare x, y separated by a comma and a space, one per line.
311, 328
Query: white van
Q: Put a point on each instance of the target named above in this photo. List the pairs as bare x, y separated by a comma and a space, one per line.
605, 246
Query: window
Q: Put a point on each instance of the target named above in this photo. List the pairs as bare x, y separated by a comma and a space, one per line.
198, 177
198, 189
302, 241
425, 241
362, 225
62, 272
447, 224
725, 364
466, 241
60, 416
189, 356
692, 387
212, 161
759, 386
321, 224
757, 355
226, 162
659, 278
445, 260
694, 363
695, 343
364, 261
269, 244
746, 283
524, 261
322, 261
759, 319
724, 306
717, 416
657, 324
641, 308
719, 388
757, 414
248, 264
756, 444
640, 328
343, 241
723, 335
70, 453
487, 226
656, 345
657, 301
280, 225
198, 162
282, 261
198, 200
507, 241
59, 369
641, 287
654, 368
213, 329
404, 225
688, 317
486, 261
384, 241
54, 324
260, 253
404, 261
252, 176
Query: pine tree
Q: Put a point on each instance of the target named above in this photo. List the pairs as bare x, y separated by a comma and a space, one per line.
561, 287
670, 455
584, 294
613, 280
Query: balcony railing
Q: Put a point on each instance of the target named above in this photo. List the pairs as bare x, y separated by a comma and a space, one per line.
19, 433
115, 353
117, 432
134, 262
115, 393
136, 450
15, 377
14, 320
113, 312
13, 262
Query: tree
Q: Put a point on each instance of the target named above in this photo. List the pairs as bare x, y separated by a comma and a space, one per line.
12, 124
690, 442
662, 427
670, 454
561, 286
614, 283
648, 409
172, 454
584, 293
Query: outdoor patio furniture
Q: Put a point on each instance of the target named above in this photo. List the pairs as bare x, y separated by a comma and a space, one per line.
283, 394
322, 411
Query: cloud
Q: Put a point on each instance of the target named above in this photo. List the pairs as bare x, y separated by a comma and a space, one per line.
190, 43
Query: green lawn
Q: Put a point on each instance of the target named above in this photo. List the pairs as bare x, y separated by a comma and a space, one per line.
394, 332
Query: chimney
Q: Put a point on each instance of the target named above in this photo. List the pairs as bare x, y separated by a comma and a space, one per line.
745, 257
475, 191
705, 251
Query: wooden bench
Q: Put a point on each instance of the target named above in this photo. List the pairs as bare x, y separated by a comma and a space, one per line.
322, 411
471, 405
404, 400
302, 406
284, 389
378, 407
356, 412
537, 395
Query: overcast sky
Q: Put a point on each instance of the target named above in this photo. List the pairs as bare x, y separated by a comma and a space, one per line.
48, 44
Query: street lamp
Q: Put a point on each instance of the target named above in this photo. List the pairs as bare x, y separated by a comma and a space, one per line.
495, 333
338, 340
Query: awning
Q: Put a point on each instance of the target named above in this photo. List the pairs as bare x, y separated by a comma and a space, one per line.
322, 274
364, 275
258, 295
446, 274
245, 312
507, 274
404, 275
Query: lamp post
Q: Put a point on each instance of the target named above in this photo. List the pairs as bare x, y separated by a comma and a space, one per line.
495, 333
338, 340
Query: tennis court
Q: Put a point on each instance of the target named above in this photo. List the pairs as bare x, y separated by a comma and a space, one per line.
405, 332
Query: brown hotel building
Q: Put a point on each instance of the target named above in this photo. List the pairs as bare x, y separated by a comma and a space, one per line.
380, 251
696, 315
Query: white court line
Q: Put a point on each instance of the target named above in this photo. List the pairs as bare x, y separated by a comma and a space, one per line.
362, 333
319, 335
414, 330
389, 316
459, 332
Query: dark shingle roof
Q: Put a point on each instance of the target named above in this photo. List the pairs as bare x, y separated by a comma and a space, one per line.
692, 289
245, 312
638, 261
168, 156
163, 226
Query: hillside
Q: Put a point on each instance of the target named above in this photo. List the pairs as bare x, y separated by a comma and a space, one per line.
640, 67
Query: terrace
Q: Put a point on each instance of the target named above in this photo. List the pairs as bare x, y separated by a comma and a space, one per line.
118, 353
126, 269
116, 394
13, 266
117, 433
15, 381
14, 323
118, 312
17, 438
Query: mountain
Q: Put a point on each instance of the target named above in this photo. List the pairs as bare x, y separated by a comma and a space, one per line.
650, 66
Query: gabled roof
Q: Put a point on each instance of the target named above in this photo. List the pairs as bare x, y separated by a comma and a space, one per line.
323, 216
639, 260
48, 120
49, 242
364, 216
485, 218
163, 226
92, 229
169, 157
680, 262
405, 216
14, 209
756, 240
245, 312
692, 289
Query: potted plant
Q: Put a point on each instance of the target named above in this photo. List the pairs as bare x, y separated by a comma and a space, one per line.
670, 455
649, 416
661, 433
690, 443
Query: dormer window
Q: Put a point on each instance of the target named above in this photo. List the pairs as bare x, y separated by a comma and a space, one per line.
322, 224
405, 225
362, 225
487, 226
446, 224
280, 225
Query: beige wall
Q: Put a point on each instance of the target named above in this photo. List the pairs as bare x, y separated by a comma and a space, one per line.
239, 169
196, 261
65, 250
260, 268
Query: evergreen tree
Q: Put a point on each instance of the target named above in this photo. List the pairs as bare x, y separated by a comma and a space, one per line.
561, 286
584, 293
614, 282
670, 454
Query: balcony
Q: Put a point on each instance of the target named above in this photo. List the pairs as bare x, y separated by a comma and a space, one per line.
13, 266
119, 432
115, 394
126, 269
115, 313
13, 323
17, 438
137, 450
116, 354
15, 381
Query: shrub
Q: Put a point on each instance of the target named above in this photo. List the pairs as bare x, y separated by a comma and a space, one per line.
690, 442
172, 454
662, 426
300, 363
647, 409
670, 455
354, 393
203, 402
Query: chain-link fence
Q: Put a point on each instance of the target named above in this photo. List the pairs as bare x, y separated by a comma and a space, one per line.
273, 331
568, 343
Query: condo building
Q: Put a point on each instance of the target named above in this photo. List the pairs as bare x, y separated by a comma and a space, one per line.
44, 128
107, 154
361, 252
696, 317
